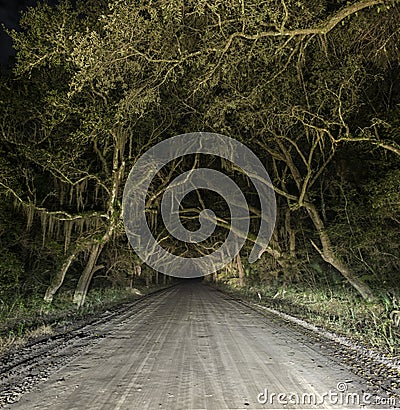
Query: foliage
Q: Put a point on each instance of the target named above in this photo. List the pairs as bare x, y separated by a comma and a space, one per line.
332, 308
311, 87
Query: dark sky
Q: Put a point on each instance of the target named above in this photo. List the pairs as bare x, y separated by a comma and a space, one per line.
9, 15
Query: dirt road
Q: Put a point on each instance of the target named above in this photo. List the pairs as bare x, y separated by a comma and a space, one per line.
192, 347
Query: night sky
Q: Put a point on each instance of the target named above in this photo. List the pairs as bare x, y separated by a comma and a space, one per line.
10, 11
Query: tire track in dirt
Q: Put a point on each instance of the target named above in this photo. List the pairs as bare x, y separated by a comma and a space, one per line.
193, 347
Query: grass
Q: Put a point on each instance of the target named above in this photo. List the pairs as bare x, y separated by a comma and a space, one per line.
27, 318
336, 309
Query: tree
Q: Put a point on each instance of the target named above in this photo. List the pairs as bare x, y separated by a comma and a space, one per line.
101, 83
295, 93
101, 96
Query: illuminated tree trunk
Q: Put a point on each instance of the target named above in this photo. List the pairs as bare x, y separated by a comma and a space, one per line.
328, 255
117, 172
86, 277
292, 235
240, 270
215, 277
59, 278
327, 251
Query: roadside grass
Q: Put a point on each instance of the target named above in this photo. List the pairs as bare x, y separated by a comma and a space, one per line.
27, 318
335, 309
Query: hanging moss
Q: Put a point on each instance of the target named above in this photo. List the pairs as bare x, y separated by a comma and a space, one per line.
50, 226
43, 220
81, 189
30, 213
67, 234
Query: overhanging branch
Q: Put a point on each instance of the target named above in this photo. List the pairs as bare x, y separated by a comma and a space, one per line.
323, 28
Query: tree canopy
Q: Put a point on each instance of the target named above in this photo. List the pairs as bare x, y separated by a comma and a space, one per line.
312, 87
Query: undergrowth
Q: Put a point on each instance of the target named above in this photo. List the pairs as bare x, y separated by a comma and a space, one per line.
26, 318
336, 309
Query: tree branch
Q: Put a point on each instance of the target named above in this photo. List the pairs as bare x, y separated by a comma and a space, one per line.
323, 28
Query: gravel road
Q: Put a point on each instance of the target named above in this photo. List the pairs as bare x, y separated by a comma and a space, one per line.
187, 347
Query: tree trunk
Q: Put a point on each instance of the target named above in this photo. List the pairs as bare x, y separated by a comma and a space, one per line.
328, 255
84, 280
240, 269
327, 252
215, 277
292, 235
59, 278
117, 173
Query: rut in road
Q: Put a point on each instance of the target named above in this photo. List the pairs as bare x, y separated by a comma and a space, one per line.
193, 347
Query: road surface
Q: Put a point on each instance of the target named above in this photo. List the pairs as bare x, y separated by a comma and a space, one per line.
193, 347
